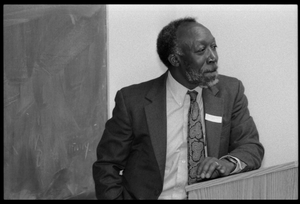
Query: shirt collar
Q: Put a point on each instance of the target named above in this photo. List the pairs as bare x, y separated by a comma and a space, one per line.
179, 91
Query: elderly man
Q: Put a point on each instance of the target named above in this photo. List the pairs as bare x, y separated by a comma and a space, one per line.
186, 126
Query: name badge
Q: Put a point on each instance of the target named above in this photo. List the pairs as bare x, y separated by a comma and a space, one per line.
213, 118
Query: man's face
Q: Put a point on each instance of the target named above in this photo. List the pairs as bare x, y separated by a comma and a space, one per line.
198, 59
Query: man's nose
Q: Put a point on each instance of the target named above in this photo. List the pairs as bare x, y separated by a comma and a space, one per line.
212, 57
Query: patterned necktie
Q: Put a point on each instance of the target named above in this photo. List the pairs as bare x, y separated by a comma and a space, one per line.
195, 139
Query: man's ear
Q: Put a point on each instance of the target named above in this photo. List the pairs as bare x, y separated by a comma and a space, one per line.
173, 60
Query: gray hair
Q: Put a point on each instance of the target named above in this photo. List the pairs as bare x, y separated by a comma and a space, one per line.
167, 41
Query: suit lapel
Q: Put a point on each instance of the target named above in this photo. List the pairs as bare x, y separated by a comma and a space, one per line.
157, 121
213, 105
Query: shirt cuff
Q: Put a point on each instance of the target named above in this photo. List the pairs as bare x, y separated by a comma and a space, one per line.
240, 165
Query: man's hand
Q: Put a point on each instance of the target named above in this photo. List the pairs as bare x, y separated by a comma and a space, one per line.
210, 164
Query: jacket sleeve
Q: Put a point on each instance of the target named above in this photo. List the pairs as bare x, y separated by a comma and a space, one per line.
244, 137
112, 151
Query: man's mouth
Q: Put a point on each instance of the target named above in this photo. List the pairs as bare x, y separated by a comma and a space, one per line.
214, 69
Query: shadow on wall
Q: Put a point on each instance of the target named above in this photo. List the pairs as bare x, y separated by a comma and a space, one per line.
55, 102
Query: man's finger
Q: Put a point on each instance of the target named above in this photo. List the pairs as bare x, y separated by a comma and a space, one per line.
215, 174
222, 170
205, 169
200, 168
211, 169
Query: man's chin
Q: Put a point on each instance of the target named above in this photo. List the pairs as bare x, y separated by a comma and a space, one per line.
209, 83
212, 83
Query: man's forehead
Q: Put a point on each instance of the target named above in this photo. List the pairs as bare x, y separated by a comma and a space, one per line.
195, 32
190, 28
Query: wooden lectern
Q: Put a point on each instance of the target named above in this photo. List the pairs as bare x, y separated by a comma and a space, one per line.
276, 182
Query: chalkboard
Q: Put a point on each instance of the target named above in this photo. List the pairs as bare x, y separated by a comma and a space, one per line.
55, 99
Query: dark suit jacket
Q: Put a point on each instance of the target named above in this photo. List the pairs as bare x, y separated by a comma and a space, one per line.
134, 139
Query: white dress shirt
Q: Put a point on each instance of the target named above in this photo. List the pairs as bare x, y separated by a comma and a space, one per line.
176, 172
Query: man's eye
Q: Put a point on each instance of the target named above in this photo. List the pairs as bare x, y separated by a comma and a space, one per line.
200, 50
214, 46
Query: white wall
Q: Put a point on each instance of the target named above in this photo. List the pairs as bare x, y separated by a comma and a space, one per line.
257, 44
